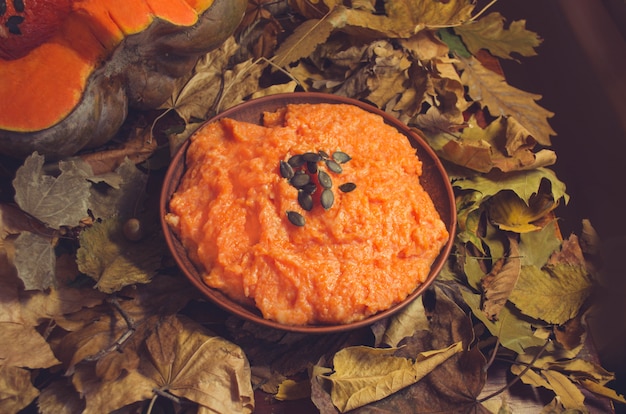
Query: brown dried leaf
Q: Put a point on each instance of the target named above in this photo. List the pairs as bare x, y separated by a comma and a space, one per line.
60, 397
16, 389
14, 220
492, 91
489, 33
17, 343
499, 283
180, 358
95, 332
113, 261
138, 148
18, 324
305, 38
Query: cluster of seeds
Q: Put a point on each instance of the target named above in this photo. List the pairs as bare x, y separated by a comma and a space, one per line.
300, 170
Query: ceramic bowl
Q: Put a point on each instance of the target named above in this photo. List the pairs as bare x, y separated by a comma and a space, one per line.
434, 179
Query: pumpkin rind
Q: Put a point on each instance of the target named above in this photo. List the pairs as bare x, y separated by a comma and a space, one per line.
85, 99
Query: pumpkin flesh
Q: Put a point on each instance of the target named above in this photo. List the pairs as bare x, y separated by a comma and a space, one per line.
73, 90
87, 36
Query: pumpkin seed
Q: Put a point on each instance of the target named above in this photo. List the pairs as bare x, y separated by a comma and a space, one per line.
347, 187
296, 161
305, 200
327, 199
311, 157
323, 154
286, 170
309, 188
311, 167
295, 218
300, 179
324, 179
341, 157
334, 166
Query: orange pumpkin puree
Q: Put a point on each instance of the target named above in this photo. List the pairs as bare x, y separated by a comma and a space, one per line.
367, 252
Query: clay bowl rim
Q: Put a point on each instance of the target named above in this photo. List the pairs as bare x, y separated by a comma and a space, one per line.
434, 179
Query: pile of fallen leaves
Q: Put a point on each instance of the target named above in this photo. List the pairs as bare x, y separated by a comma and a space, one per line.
95, 316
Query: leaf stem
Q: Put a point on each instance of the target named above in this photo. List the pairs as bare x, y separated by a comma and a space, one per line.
518, 377
117, 345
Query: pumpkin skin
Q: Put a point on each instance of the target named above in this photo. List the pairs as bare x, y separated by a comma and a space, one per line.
69, 87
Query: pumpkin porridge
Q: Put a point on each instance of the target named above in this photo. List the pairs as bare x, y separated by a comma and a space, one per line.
315, 217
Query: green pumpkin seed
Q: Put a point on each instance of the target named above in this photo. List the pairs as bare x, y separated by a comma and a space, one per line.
341, 157
323, 154
324, 179
286, 170
334, 166
347, 187
295, 218
327, 199
305, 200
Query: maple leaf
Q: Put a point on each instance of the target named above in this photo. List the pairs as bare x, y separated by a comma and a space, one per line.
489, 33
180, 358
493, 92
56, 201
206, 369
113, 261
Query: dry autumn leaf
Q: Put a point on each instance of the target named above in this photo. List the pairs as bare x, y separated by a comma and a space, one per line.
554, 293
56, 201
113, 261
363, 375
489, 33
493, 92
509, 212
16, 389
181, 359
499, 283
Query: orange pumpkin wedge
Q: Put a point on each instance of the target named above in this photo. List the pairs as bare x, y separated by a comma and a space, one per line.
67, 87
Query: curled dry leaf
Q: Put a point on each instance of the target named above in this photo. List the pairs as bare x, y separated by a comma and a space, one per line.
499, 283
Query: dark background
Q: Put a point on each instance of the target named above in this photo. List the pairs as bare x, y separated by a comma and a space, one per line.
580, 71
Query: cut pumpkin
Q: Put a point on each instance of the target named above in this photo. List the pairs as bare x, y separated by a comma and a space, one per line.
46, 72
